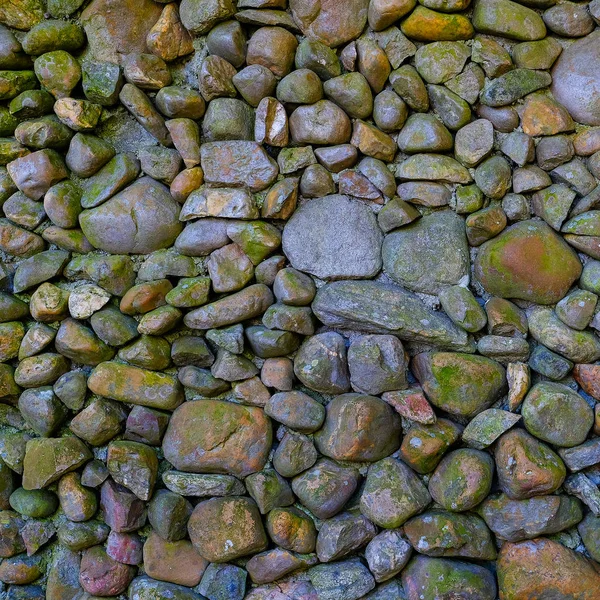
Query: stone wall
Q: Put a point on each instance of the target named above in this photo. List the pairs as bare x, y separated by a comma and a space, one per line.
298, 299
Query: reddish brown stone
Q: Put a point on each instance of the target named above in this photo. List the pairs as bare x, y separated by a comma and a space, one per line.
175, 562
214, 436
588, 377
223, 529
411, 404
527, 467
144, 297
100, 575
543, 568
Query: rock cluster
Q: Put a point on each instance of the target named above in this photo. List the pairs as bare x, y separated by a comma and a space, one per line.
298, 299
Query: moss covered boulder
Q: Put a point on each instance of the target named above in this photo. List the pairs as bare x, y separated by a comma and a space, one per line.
214, 436
527, 261
554, 413
460, 384
532, 568
462, 479
392, 494
441, 533
47, 459
223, 529
136, 386
426, 577
527, 467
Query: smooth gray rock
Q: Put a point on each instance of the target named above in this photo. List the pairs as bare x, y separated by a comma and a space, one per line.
576, 79
334, 237
140, 219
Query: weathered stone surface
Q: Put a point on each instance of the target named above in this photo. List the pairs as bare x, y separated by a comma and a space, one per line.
460, 384
463, 536
47, 459
329, 23
366, 306
111, 35
549, 330
237, 164
334, 237
411, 255
558, 568
572, 68
140, 219
527, 467
515, 265
213, 436
392, 493
342, 439
223, 529
556, 414
136, 386
512, 20
438, 577
516, 520
245, 304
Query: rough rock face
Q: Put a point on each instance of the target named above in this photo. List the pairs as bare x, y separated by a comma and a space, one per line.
558, 568
328, 22
299, 299
575, 81
140, 219
112, 34
213, 436
334, 237
516, 264
428, 255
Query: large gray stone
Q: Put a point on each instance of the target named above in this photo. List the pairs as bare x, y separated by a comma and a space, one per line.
576, 79
140, 219
428, 255
375, 307
334, 237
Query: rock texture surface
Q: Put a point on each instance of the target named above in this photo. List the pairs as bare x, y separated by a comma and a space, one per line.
299, 299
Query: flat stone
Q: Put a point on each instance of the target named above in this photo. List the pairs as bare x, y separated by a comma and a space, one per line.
245, 304
375, 307
136, 386
48, 459
334, 237
488, 426
433, 167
